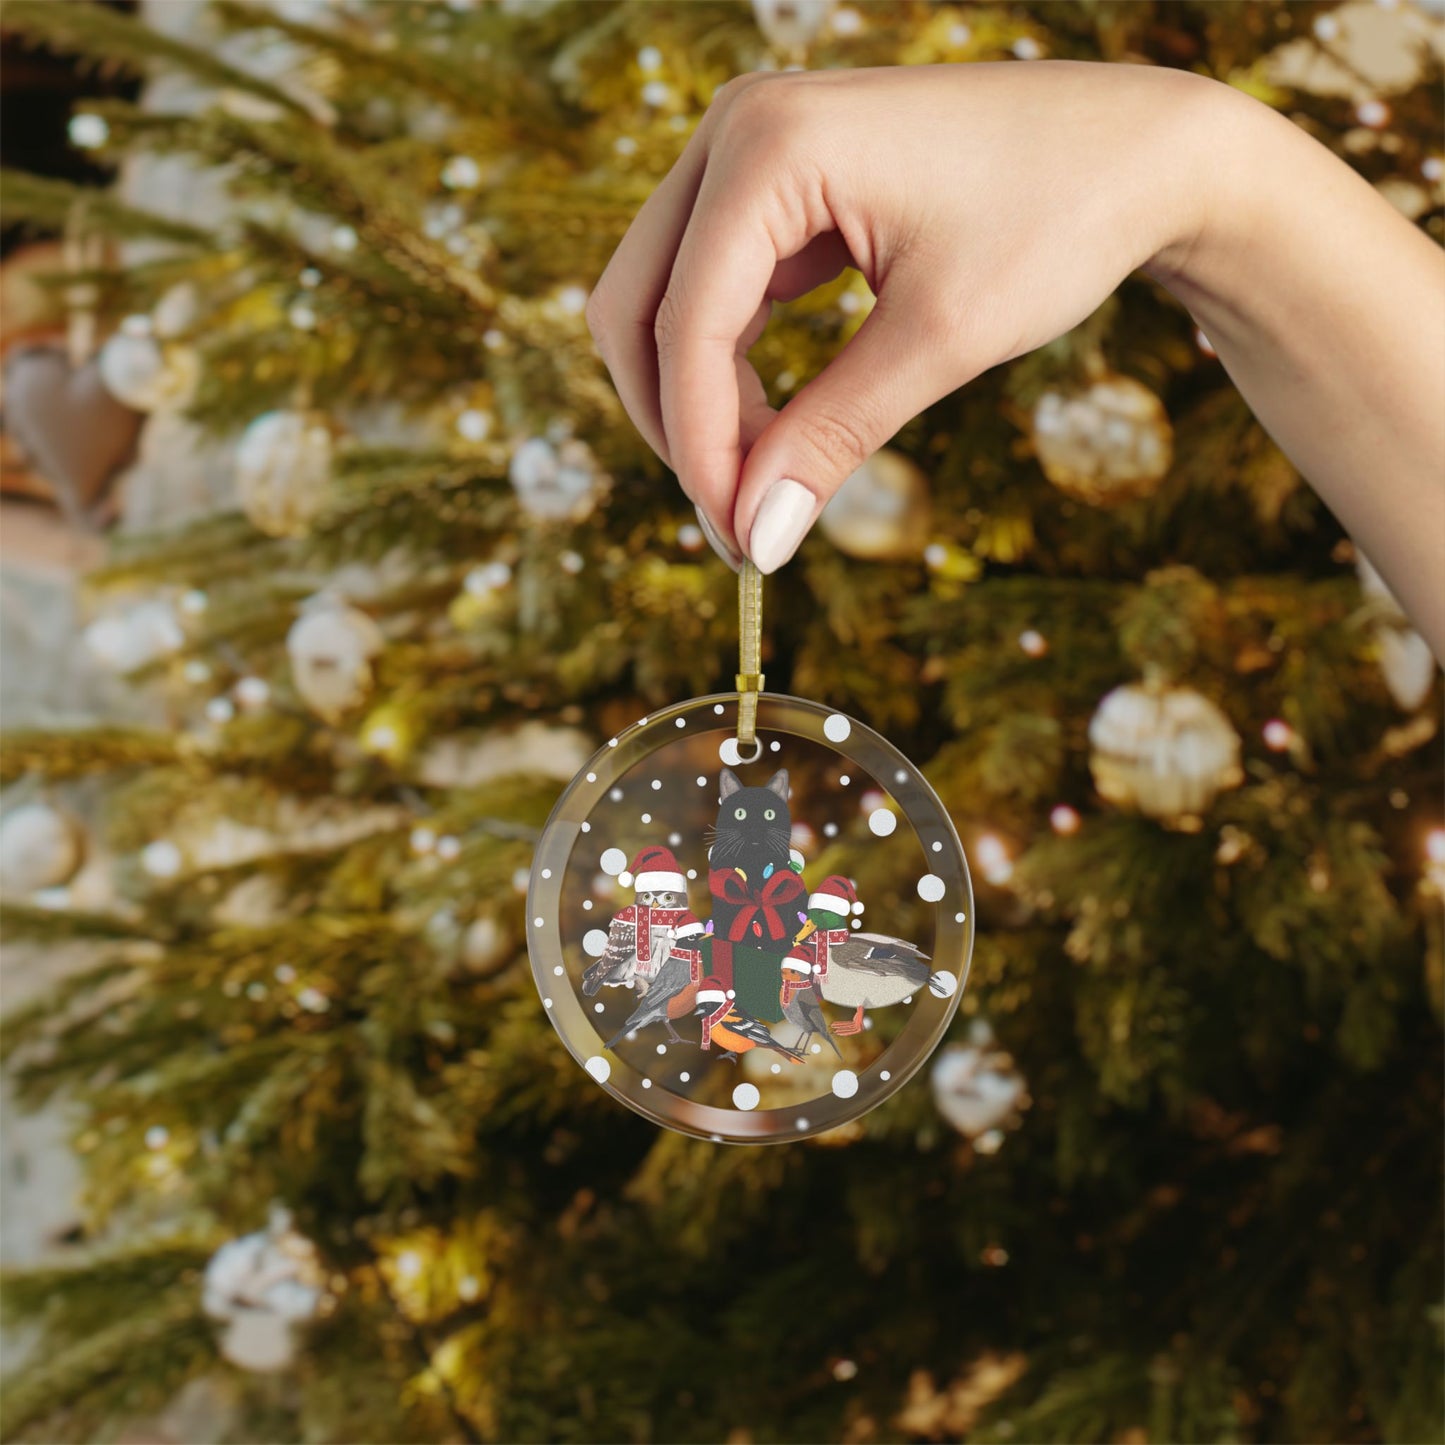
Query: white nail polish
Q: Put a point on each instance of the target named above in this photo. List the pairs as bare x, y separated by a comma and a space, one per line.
787, 511
716, 542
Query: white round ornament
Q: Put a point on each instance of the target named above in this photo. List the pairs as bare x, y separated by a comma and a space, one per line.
1408, 665
40, 847
673, 928
135, 636
143, 373
283, 470
976, 1087
331, 647
792, 25
1110, 442
1164, 751
261, 1287
555, 481
881, 512
486, 945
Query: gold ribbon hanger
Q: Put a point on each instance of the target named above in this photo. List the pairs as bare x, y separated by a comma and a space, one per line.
750, 658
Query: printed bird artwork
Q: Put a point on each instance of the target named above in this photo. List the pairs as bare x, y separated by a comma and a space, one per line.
803, 1005
869, 971
735, 1031
673, 995
618, 965
640, 937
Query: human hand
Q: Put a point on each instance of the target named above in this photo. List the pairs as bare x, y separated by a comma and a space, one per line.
990, 207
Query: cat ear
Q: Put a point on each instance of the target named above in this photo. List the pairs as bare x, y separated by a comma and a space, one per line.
728, 784
778, 784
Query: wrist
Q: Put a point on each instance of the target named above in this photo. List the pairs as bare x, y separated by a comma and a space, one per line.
1218, 143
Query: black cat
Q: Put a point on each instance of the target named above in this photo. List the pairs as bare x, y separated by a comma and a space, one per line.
756, 894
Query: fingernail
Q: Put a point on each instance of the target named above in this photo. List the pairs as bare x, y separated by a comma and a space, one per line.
781, 523
716, 542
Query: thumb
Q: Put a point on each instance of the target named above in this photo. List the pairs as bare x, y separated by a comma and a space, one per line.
901, 360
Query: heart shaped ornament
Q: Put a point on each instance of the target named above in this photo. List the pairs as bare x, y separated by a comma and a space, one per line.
77, 435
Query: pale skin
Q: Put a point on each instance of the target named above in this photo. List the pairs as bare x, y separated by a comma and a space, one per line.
991, 208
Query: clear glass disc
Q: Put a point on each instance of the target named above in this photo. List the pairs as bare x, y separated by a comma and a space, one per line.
813, 929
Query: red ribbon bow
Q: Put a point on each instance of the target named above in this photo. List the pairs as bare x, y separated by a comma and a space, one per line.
758, 909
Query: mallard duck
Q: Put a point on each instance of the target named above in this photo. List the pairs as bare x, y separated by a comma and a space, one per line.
868, 971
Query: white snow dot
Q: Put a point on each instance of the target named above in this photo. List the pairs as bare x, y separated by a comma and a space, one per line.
559, 970
546, 873
597, 1008
817, 1048
729, 753
647, 1083
882, 821
587, 827
657, 785
746, 1096
537, 923
717, 707
775, 746
647, 817
800, 1123
958, 917
594, 943
587, 904
614, 860
692, 872
943, 984
900, 776
909, 999
674, 840
885, 1076
680, 723
611, 742
931, 888
830, 830
701, 781
837, 728
777, 1068
546, 1003
938, 847
684, 1077
844, 780
615, 794
662, 1048
845, 1083
591, 777
599, 1068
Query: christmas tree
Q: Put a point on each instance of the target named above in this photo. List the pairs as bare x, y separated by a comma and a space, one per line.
1177, 1175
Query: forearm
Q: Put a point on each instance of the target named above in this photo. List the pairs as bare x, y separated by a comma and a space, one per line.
1327, 309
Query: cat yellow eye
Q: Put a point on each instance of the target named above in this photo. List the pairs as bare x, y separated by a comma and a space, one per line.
740, 813
769, 815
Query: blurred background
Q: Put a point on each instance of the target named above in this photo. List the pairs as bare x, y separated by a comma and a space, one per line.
329, 556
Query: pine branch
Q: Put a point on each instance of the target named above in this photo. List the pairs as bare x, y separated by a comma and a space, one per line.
52, 204
82, 752
116, 40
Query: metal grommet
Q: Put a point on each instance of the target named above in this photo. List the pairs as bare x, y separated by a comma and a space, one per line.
757, 752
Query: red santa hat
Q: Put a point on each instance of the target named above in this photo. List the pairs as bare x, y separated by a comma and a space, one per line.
655, 870
834, 895
690, 926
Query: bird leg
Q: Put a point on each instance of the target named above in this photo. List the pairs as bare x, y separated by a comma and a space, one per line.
852, 1026
673, 1034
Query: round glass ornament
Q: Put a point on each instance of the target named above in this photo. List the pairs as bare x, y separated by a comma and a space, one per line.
750, 944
